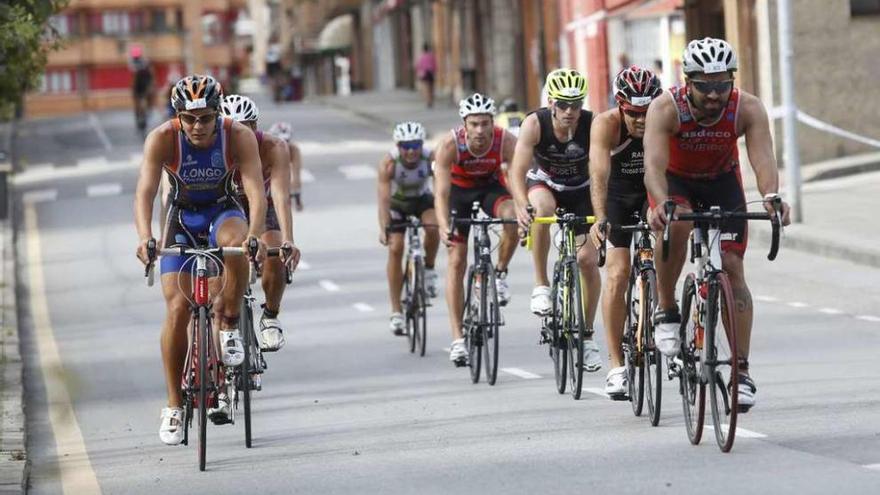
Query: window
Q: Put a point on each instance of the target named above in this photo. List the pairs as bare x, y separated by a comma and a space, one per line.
57, 81
864, 7
115, 22
158, 24
61, 23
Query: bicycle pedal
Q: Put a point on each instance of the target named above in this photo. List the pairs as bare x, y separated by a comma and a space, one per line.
460, 362
619, 397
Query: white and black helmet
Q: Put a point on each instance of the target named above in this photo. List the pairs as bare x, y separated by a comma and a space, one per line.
409, 131
476, 104
709, 56
239, 108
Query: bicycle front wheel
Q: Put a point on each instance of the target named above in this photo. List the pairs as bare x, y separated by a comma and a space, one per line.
692, 388
632, 352
409, 285
651, 359
203, 342
557, 344
490, 323
575, 330
721, 360
471, 326
420, 315
246, 326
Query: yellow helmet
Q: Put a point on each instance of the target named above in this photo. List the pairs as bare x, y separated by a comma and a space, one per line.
566, 85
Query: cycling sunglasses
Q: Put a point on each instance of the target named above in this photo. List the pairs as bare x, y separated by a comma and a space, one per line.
565, 105
635, 113
707, 87
191, 120
410, 145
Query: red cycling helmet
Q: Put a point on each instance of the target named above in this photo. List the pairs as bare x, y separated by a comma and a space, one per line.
636, 87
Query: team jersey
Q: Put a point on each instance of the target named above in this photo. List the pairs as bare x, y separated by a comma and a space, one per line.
267, 172
409, 182
562, 165
470, 170
628, 158
201, 177
700, 151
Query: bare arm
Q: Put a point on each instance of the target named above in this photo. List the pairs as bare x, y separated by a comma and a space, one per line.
661, 124
529, 134
148, 184
442, 182
250, 167
279, 186
383, 191
759, 145
295, 168
603, 135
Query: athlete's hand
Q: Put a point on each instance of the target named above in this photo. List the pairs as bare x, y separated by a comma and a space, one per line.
142, 252
383, 237
524, 215
657, 217
290, 255
599, 232
261, 249
771, 201
445, 237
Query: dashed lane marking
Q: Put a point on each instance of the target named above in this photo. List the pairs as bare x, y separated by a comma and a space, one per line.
110, 189
798, 304
872, 319
358, 172
363, 307
525, 375
306, 176
39, 196
875, 467
595, 391
831, 311
302, 265
766, 298
99, 130
329, 286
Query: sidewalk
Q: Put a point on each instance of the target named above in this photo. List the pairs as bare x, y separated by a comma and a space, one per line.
840, 197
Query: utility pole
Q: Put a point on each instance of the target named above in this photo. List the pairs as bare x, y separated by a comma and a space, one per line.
791, 155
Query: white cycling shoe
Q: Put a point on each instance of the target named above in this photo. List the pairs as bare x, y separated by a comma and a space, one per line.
458, 353
397, 324
615, 383
273, 336
220, 415
592, 359
666, 327
431, 282
171, 428
501, 288
541, 304
231, 348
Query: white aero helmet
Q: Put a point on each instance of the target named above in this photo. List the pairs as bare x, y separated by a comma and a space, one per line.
409, 131
239, 108
709, 56
476, 104
281, 130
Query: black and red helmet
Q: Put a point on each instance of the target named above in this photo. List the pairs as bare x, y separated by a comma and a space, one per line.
635, 87
196, 91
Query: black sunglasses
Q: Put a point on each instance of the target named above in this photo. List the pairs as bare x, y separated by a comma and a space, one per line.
707, 87
635, 113
410, 145
565, 105
191, 120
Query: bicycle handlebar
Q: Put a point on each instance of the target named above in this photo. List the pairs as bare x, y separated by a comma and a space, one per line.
153, 253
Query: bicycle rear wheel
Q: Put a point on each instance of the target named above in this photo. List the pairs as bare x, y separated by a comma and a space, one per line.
651, 359
576, 329
202, 334
491, 327
693, 390
635, 370
470, 327
557, 349
246, 326
722, 361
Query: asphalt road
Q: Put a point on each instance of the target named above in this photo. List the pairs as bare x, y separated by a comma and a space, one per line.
345, 408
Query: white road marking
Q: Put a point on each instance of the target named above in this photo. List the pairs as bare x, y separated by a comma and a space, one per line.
798, 304
766, 298
99, 130
93, 161
872, 319
306, 176
594, 391
343, 146
741, 432
109, 189
358, 172
77, 475
329, 286
82, 169
526, 375
875, 467
302, 265
446, 349
363, 307
40, 196
831, 311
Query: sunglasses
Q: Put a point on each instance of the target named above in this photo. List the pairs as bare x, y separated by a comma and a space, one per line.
410, 145
707, 87
565, 105
191, 120
635, 113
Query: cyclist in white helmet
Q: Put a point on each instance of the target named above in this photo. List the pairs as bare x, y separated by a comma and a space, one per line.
284, 132
404, 189
691, 157
469, 168
279, 220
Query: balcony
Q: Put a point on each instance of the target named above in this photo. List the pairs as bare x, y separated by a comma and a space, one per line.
121, 4
111, 50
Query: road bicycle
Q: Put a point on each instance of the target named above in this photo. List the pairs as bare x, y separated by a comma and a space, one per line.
416, 299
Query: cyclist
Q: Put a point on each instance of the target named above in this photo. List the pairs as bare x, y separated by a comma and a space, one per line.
617, 188
284, 132
142, 88
468, 169
509, 116
405, 189
279, 221
199, 151
691, 157
557, 138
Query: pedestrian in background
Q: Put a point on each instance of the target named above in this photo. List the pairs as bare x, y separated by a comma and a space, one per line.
426, 68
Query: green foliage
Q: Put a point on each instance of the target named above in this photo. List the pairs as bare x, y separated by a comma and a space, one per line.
25, 41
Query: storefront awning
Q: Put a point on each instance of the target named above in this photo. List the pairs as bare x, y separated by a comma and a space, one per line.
337, 34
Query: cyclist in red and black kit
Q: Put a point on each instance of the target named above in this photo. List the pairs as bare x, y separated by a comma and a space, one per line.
557, 139
617, 187
691, 157
468, 169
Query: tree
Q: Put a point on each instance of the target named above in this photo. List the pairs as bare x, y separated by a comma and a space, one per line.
25, 41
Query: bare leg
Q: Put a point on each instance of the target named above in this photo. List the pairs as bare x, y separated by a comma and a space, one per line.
274, 276
509, 236
174, 340
733, 265
545, 205
432, 238
668, 271
455, 285
395, 270
592, 281
614, 302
